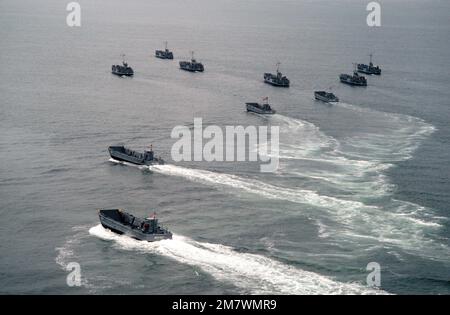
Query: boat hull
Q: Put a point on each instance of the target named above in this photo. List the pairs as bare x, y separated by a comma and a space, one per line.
255, 109
369, 72
368, 69
163, 55
133, 232
276, 80
122, 157
353, 83
189, 69
188, 66
124, 70
324, 98
120, 74
277, 84
353, 80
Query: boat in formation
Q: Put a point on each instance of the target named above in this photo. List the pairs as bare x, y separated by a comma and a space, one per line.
370, 68
164, 54
324, 96
277, 79
192, 66
124, 154
354, 79
121, 222
263, 108
148, 229
122, 70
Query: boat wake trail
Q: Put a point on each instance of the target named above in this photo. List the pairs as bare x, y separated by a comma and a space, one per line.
253, 274
344, 181
255, 187
305, 151
393, 137
357, 220
356, 164
353, 169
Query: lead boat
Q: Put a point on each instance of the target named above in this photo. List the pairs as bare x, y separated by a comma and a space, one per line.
192, 66
121, 222
277, 79
123, 154
258, 108
164, 54
370, 68
123, 69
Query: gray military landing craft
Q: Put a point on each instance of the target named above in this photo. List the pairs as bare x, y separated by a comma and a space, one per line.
277, 79
192, 66
258, 108
354, 79
164, 54
121, 222
123, 154
123, 69
324, 96
370, 68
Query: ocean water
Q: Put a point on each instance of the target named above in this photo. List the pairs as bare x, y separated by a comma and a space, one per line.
365, 180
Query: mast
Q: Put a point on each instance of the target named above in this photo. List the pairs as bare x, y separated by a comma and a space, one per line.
165, 45
371, 57
278, 66
192, 56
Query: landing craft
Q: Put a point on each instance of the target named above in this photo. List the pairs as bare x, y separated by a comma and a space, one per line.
121, 222
356, 79
164, 54
192, 66
258, 108
370, 68
124, 154
326, 97
277, 79
123, 69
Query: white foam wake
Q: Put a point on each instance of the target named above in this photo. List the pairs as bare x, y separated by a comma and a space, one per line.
390, 137
344, 208
254, 274
255, 187
356, 162
353, 178
309, 153
401, 227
